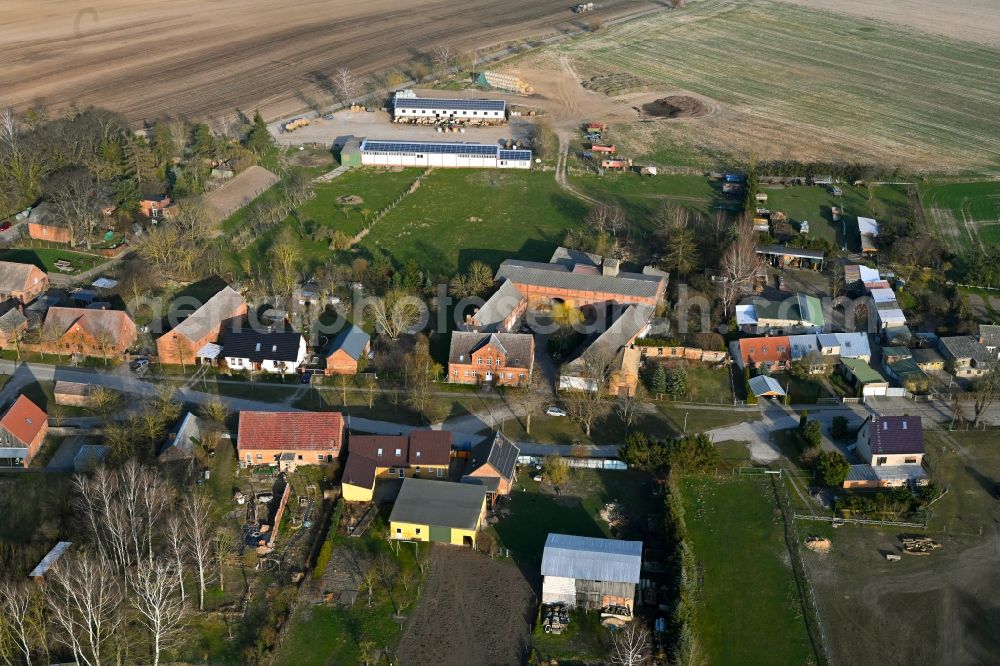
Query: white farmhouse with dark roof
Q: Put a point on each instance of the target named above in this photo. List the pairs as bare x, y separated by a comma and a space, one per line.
408, 107
893, 450
590, 573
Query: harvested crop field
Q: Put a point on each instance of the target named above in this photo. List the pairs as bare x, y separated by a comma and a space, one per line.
473, 610
240, 191
167, 58
798, 83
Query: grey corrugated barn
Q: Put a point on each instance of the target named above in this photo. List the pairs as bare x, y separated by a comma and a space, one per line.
590, 573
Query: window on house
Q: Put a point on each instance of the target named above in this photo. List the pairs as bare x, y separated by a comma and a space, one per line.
399, 530
479, 360
910, 461
781, 348
319, 457
510, 375
300, 456
440, 472
475, 374
880, 460
417, 469
399, 452
378, 452
466, 373
259, 456
417, 531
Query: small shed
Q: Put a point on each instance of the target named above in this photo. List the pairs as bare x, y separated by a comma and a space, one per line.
438, 511
763, 386
350, 154
49, 560
590, 573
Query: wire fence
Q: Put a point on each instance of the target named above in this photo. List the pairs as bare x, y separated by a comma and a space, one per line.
807, 593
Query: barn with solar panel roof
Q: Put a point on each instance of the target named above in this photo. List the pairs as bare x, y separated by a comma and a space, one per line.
442, 154
409, 108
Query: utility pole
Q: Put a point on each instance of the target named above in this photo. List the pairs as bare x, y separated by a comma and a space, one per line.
686, 421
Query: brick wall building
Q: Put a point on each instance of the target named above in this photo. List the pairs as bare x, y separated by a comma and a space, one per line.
506, 359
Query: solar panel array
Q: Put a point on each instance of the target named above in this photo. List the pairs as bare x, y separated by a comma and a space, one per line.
451, 104
522, 155
403, 147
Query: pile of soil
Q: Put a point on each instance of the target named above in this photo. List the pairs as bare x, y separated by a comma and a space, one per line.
676, 106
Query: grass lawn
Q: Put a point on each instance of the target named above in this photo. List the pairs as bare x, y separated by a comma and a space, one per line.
45, 259
642, 195
804, 391
709, 384
700, 420
460, 215
748, 610
970, 476
733, 452
963, 214
536, 510
813, 204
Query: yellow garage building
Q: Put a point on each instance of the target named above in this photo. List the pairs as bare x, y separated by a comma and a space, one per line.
438, 511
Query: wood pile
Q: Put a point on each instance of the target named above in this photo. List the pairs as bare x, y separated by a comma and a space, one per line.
919, 545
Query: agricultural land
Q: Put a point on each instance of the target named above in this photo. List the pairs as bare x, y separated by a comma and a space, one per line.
789, 82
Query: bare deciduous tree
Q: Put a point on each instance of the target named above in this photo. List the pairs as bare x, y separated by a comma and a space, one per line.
443, 56
529, 398
159, 609
630, 645
740, 264
985, 391
176, 535
85, 605
394, 314
199, 525
606, 218
625, 407
22, 621
347, 85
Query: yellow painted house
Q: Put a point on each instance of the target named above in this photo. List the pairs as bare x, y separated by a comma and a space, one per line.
423, 454
438, 511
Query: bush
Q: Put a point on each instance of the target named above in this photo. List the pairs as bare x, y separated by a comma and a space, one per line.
832, 468
323, 558
812, 435
839, 428
676, 381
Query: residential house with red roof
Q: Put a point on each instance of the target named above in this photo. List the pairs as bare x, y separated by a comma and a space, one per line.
424, 453
775, 351
287, 439
22, 430
103, 333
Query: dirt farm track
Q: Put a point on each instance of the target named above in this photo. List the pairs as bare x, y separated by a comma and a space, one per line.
207, 58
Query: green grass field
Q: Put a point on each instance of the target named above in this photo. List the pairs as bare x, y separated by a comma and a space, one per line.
459, 215
641, 196
964, 215
798, 83
748, 610
45, 259
536, 511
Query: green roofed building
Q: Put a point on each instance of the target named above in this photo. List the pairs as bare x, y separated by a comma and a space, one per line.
865, 379
438, 511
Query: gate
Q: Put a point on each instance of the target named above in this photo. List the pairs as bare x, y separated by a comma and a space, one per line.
440, 534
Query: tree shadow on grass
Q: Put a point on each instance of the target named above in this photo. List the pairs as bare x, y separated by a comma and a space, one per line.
533, 516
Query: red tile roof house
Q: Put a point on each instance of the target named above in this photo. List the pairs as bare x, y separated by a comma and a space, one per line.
300, 438
184, 342
21, 282
101, 333
775, 351
22, 430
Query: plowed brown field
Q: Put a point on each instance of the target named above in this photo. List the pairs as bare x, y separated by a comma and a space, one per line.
208, 58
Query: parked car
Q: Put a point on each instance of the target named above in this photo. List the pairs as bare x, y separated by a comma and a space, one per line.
139, 364
5, 226
555, 411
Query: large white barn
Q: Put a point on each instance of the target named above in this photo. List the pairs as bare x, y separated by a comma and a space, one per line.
442, 154
412, 108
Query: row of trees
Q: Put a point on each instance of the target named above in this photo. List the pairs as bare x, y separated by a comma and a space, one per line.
118, 595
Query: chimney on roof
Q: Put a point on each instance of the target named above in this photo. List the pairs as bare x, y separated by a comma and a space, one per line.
609, 267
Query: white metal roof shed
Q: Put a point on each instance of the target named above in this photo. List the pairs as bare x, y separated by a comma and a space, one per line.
50, 559
589, 558
868, 226
762, 385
